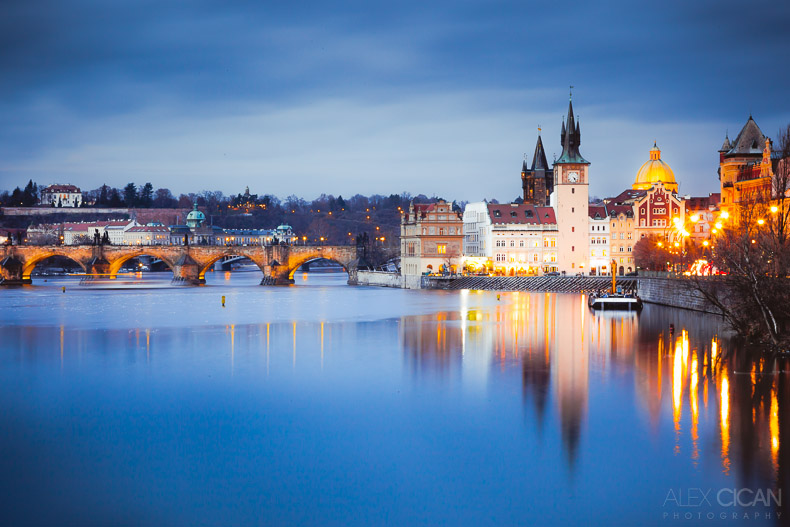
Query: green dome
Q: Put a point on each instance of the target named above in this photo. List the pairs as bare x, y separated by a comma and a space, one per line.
195, 218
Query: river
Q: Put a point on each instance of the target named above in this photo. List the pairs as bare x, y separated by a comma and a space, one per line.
326, 404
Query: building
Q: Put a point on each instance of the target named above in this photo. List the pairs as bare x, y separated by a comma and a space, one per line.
82, 233
745, 166
431, 240
516, 239
537, 181
600, 256
571, 199
623, 237
61, 196
152, 234
651, 207
703, 213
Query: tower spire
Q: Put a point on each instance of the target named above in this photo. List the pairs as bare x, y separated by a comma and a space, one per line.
571, 138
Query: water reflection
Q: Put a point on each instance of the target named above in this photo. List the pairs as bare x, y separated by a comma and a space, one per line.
560, 347
601, 400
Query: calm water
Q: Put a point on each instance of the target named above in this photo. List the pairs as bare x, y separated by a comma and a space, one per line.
323, 404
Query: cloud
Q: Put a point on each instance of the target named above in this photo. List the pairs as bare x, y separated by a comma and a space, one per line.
454, 145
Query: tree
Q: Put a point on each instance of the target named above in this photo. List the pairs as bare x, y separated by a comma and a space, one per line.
651, 254
164, 199
115, 200
146, 197
130, 195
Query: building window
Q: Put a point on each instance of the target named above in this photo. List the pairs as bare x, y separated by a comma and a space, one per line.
441, 248
573, 229
512, 243
573, 248
431, 230
521, 243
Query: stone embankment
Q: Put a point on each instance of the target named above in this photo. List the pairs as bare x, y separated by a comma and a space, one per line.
555, 284
668, 291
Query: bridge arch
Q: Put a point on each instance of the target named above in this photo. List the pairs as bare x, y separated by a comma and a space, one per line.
149, 250
231, 251
294, 265
30, 264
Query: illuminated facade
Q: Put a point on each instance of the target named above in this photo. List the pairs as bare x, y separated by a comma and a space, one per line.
431, 237
745, 166
600, 255
513, 239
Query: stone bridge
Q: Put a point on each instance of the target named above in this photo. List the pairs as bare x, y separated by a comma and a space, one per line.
188, 263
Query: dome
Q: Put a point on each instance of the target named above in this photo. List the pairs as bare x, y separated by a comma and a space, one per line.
655, 171
195, 218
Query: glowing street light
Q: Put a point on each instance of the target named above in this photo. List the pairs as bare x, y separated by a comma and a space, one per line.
760, 221
695, 218
725, 214
718, 225
676, 220
705, 243
774, 209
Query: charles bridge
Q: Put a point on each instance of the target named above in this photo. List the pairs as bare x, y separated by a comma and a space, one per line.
188, 263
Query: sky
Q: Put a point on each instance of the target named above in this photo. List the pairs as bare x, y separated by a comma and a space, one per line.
434, 98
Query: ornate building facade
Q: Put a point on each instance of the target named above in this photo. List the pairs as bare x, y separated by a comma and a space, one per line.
431, 238
745, 166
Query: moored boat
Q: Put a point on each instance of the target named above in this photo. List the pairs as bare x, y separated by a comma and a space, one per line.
616, 298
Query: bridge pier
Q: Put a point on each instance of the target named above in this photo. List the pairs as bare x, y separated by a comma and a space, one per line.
186, 271
99, 266
12, 272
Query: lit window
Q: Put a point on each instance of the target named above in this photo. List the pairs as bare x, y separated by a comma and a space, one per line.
441, 248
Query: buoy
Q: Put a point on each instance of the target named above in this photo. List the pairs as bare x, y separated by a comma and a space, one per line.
64, 288
223, 300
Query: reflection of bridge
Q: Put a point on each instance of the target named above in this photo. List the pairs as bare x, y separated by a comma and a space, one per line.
188, 263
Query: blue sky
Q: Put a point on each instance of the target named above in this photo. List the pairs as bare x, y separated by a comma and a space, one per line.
426, 97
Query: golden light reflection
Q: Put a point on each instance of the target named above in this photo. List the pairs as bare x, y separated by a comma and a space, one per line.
725, 422
774, 427
322, 345
677, 391
694, 410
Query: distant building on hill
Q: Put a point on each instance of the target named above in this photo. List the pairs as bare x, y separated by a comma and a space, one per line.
61, 196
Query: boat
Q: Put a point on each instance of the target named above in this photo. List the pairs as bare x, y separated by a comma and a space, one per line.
616, 298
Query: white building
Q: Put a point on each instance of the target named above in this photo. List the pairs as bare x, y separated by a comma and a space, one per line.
79, 233
146, 235
600, 255
61, 196
510, 239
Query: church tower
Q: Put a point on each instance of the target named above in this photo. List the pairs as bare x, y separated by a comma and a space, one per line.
571, 199
537, 182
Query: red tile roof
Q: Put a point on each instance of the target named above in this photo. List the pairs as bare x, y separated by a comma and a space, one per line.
520, 213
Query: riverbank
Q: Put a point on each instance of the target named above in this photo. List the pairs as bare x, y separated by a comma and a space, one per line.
666, 291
